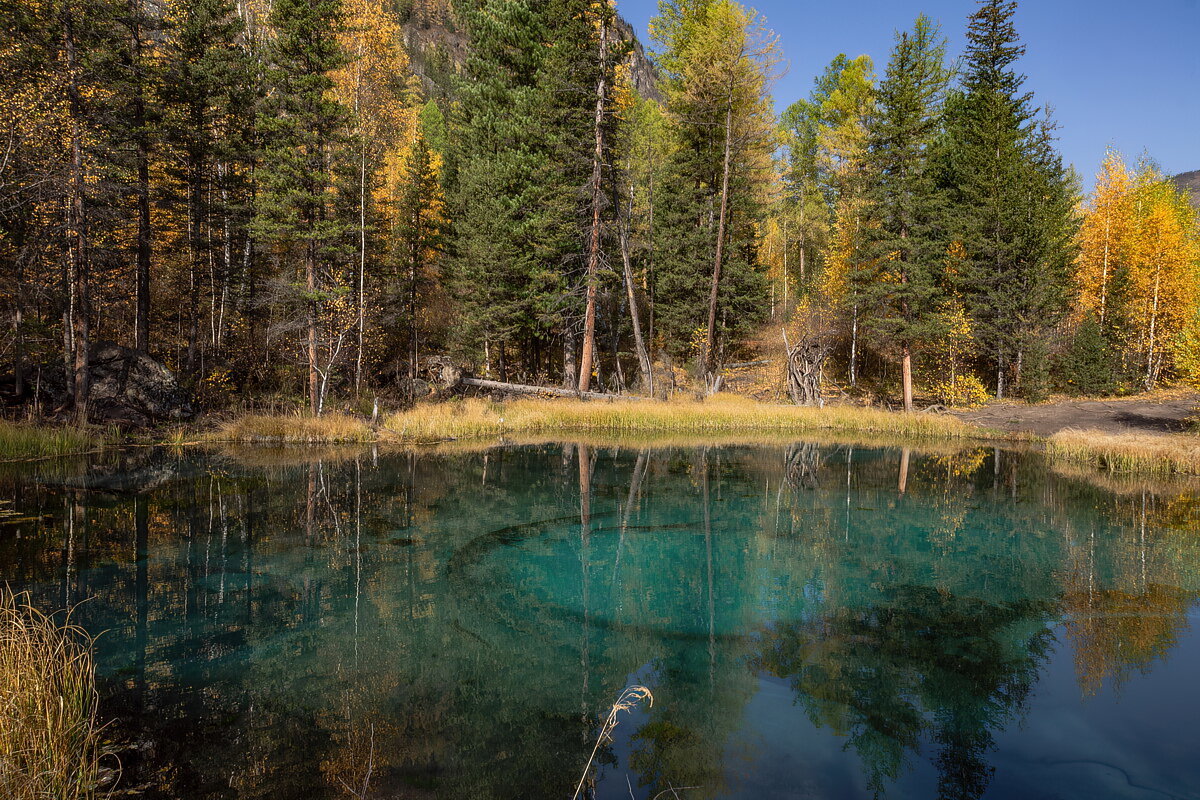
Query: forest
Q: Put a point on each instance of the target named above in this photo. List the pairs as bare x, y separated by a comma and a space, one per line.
303, 204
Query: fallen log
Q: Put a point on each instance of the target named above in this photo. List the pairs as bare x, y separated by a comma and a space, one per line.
520, 388
744, 364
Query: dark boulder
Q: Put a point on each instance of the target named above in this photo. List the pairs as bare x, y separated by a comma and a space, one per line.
131, 388
128, 388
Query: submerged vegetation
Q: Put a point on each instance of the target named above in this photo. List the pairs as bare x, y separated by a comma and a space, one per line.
50, 737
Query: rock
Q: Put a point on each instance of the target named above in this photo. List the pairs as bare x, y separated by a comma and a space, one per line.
131, 388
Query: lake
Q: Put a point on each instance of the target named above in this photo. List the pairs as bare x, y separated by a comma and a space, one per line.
814, 620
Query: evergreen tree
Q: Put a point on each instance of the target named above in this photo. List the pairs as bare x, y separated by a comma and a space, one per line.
420, 241
208, 108
1011, 195
719, 60
1087, 366
504, 276
304, 132
905, 211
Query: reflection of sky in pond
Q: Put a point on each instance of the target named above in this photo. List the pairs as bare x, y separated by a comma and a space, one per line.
813, 621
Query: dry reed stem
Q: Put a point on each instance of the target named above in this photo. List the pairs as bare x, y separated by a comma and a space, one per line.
294, 429
50, 739
632, 696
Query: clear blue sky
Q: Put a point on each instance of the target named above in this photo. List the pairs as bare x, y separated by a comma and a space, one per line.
1125, 72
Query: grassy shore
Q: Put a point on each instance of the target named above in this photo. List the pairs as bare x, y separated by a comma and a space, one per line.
333, 428
1128, 452
469, 419
719, 418
19, 440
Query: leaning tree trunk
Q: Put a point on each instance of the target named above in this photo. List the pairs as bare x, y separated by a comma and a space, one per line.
639, 342
593, 265
707, 355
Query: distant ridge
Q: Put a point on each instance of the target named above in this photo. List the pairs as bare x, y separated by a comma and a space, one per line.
1190, 183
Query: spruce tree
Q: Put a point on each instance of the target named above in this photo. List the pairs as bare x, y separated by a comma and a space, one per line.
303, 128
905, 212
504, 276
1011, 195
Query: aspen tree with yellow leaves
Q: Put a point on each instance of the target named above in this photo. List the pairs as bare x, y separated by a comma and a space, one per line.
1164, 271
1105, 238
1139, 267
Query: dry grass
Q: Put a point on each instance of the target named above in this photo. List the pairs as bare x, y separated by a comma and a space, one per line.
19, 440
464, 419
1128, 452
294, 429
630, 698
50, 744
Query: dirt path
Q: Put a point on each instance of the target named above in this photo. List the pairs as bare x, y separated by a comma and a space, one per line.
1167, 413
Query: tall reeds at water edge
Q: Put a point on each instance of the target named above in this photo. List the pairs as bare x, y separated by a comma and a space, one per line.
50, 737
20, 440
1146, 454
722, 413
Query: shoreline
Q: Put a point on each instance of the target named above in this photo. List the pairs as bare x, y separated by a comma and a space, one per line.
721, 419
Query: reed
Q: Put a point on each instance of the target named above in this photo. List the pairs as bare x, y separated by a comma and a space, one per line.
333, 428
50, 740
1128, 452
473, 418
631, 697
20, 440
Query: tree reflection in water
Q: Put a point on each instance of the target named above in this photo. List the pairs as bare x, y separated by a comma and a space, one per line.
457, 624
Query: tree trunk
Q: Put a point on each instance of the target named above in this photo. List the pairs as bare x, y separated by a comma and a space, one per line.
362, 269
706, 360
414, 272
80, 285
569, 371
593, 265
854, 346
141, 336
644, 363
906, 376
1000, 367
310, 285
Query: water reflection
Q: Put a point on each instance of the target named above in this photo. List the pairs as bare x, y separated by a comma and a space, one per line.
358, 624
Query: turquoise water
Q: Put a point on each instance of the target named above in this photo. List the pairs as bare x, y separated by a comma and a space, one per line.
813, 621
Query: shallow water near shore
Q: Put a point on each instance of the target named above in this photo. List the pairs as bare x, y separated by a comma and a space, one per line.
814, 620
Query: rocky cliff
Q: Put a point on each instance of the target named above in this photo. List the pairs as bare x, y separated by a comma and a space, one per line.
438, 47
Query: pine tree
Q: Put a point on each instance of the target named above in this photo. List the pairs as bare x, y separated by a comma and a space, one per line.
905, 209
207, 134
1012, 197
1087, 365
420, 241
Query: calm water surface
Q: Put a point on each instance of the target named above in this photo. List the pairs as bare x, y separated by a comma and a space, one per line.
814, 621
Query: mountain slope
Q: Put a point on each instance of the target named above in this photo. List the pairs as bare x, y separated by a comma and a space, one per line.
1190, 183
438, 46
